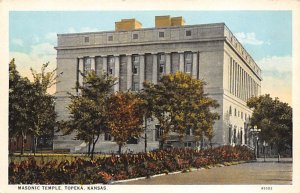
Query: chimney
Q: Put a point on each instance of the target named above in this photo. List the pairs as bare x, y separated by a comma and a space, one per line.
168, 21
127, 24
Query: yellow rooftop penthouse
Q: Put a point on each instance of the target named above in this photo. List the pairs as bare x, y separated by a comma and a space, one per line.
127, 24
167, 21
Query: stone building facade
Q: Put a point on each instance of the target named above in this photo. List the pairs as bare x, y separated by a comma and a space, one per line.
134, 54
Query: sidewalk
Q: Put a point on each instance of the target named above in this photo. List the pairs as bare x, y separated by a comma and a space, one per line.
260, 172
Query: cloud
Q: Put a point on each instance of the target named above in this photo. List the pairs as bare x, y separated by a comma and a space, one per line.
39, 54
248, 38
51, 37
83, 29
18, 42
277, 77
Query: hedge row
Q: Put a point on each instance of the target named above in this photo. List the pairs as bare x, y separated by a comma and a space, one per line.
120, 167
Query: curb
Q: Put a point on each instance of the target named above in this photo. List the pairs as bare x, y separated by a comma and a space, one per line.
177, 172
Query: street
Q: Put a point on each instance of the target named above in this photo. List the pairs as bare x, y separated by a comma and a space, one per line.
260, 172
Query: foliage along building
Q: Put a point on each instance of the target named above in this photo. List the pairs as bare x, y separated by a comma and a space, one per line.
135, 54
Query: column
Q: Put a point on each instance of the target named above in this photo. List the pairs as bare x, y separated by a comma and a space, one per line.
129, 72
117, 72
104, 64
142, 70
243, 84
168, 63
80, 70
93, 63
181, 61
155, 70
233, 78
194, 65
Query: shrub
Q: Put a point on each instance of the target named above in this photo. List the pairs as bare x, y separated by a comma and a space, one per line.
120, 167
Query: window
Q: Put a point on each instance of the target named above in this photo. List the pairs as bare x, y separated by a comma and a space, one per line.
161, 57
161, 34
229, 134
238, 113
234, 135
188, 56
111, 59
187, 131
230, 111
234, 112
135, 58
188, 33
242, 115
86, 39
135, 36
132, 140
87, 65
187, 144
107, 137
188, 62
135, 86
135, 69
161, 68
158, 132
110, 38
110, 71
188, 68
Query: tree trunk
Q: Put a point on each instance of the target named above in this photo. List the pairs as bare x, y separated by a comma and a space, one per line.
145, 134
22, 146
93, 148
89, 148
35, 144
278, 152
120, 149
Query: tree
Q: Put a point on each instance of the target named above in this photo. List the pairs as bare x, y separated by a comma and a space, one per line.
124, 117
31, 108
88, 111
43, 117
274, 118
20, 96
179, 103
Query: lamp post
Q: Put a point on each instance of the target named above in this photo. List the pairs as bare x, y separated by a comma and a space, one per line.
264, 145
255, 132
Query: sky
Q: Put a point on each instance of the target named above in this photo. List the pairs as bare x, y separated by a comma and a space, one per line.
266, 35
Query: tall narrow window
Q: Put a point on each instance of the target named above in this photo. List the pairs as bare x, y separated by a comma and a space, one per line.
188, 59
87, 65
135, 69
162, 68
107, 136
234, 135
229, 134
158, 132
135, 86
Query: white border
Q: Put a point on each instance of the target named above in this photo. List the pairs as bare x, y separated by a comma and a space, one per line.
188, 5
